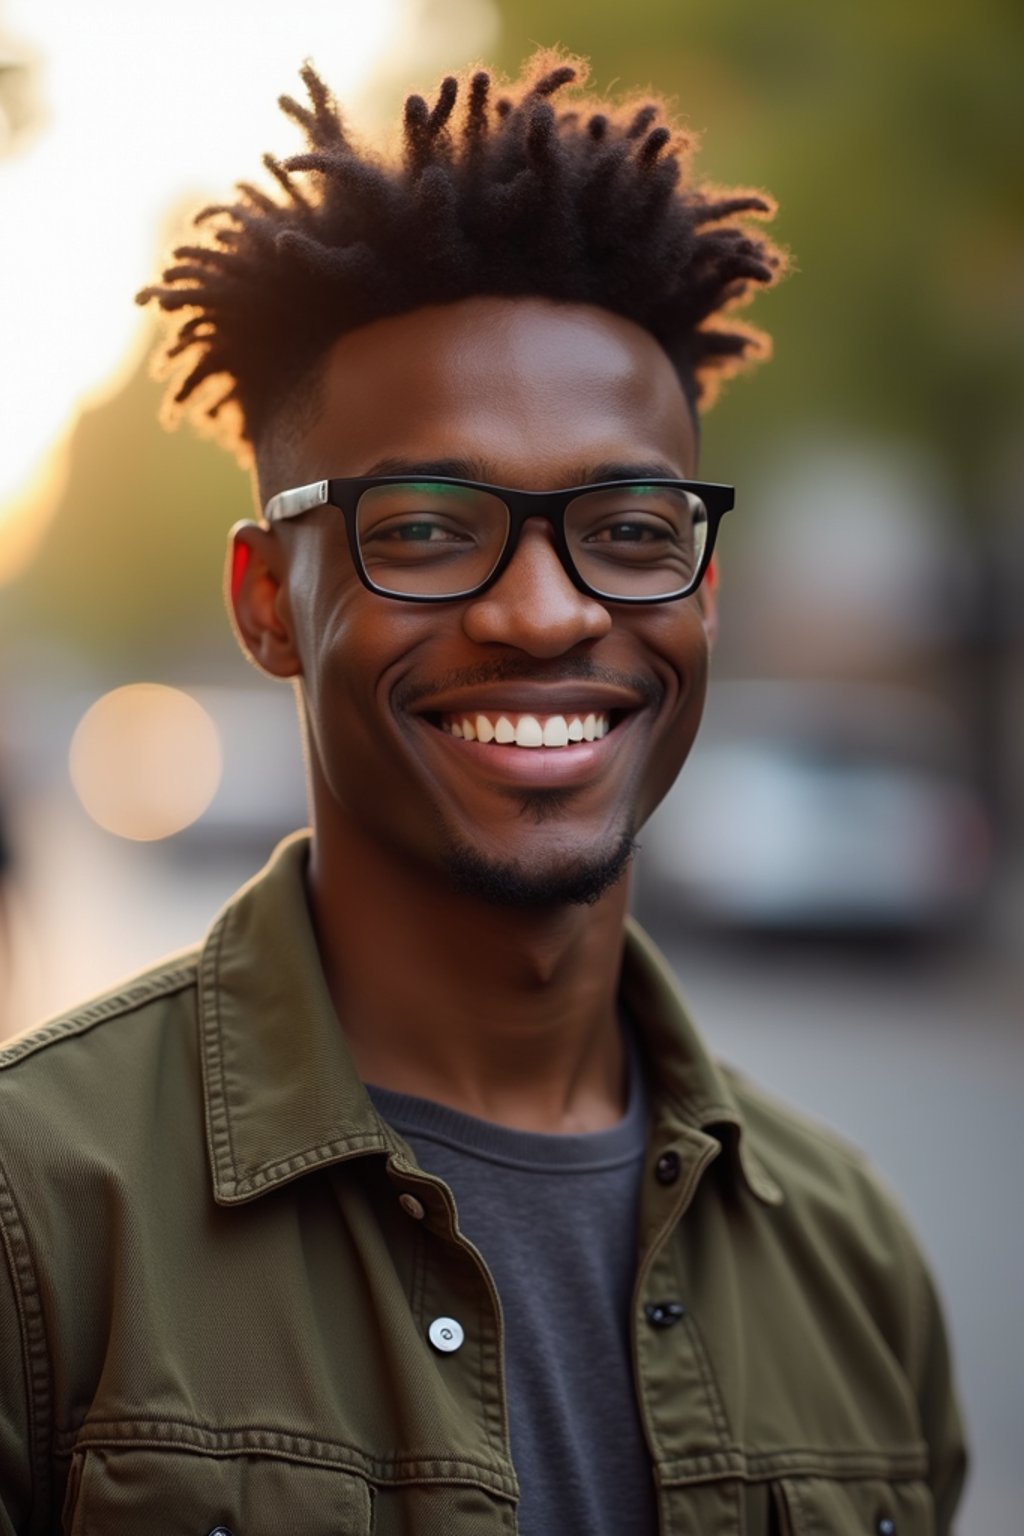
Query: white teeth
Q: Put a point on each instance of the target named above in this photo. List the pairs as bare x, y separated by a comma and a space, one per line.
556, 732
528, 732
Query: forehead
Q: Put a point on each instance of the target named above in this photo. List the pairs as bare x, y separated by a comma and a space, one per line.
531, 393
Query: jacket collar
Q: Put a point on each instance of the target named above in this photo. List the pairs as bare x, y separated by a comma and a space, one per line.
281, 1091
689, 1091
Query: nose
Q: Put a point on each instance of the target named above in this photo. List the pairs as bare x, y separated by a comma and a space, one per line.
533, 605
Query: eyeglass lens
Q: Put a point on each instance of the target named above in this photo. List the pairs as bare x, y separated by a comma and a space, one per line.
424, 539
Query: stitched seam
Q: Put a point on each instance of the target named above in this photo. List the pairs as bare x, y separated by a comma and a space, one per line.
171, 1434
705, 1371
417, 1300
802, 1521
489, 1404
714, 1402
35, 1354
234, 1185
218, 1122
907, 1464
299, 1162
239, 1185
163, 984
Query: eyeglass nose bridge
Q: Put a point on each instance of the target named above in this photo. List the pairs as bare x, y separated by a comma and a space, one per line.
549, 508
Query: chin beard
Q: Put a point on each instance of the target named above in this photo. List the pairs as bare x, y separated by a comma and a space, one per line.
572, 882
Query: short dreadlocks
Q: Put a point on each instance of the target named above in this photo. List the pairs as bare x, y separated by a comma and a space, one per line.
492, 195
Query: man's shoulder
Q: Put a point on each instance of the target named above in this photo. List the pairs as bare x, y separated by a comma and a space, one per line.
141, 999
89, 1104
831, 1190
73, 1072
781, 1131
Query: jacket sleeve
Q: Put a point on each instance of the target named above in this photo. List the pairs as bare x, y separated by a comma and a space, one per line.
939, 1410
15, 1460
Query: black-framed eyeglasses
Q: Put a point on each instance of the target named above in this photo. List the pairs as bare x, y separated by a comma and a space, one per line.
434, 539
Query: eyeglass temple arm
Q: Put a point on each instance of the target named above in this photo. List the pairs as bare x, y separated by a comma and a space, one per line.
293, 503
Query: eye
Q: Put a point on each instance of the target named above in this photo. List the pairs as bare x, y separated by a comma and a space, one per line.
628, 531
413, 528
420, 531
632, 529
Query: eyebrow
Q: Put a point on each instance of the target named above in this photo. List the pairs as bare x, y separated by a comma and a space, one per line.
474, 469
655, 470
447, 469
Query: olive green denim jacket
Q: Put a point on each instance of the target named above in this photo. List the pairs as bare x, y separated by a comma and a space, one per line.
219, 1267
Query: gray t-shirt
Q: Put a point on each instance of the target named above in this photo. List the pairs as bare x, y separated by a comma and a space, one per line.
555, 1219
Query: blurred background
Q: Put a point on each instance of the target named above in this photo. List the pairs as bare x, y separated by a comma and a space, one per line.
839, 875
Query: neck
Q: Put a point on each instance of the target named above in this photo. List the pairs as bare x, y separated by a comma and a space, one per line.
504, 1013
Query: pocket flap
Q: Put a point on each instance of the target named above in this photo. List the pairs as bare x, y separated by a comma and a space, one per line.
819, 1506
115, 1492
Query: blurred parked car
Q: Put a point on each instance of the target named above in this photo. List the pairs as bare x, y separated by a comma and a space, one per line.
838, 809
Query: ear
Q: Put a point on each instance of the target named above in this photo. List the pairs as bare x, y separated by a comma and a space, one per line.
707, 596
257, 599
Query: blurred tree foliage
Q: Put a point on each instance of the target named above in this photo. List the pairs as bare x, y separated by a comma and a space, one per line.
130, 569
890, 134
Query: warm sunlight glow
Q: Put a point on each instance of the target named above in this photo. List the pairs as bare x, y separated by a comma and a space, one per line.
25, 514
144, 109
145, 761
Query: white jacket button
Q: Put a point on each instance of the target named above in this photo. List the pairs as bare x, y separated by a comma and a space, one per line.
445, 1334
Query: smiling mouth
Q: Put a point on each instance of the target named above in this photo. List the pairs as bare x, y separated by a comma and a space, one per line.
508, 729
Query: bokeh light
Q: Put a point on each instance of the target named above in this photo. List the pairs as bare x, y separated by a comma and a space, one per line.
145, 761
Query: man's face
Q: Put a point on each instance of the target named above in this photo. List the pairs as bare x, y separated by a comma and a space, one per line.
526, 394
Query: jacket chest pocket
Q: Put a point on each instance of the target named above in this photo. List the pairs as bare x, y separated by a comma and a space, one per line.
144, 1492
817, 1506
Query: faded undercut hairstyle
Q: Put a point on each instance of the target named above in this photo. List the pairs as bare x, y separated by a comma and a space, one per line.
524, 190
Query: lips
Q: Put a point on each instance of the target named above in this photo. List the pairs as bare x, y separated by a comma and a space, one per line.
533, 732
552, 731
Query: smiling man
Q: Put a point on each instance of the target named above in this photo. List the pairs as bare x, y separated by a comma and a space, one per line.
411, 1201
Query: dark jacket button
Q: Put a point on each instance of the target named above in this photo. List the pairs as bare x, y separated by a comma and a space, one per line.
666, 1169
663, 1314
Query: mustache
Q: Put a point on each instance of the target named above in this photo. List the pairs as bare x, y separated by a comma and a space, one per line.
526, 669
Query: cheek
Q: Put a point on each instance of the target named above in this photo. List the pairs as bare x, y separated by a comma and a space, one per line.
353, 646
678, 645
322, 613
324, 596
676, 638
